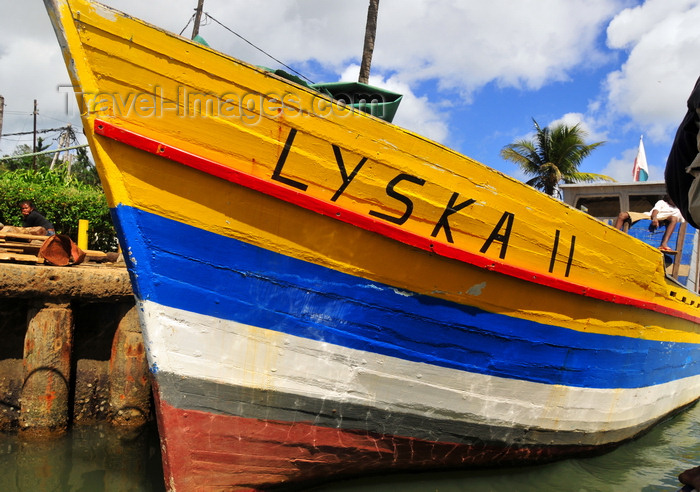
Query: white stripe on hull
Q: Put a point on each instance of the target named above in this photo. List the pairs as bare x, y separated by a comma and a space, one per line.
225, 352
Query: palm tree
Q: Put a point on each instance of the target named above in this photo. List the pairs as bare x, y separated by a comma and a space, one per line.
370, 35
552, 156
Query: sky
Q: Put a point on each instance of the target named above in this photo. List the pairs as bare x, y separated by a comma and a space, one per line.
474, 74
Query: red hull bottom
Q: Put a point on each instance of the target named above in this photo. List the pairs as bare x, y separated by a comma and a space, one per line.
211, 452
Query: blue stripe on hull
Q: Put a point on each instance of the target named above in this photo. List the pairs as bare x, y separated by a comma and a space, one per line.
191, 269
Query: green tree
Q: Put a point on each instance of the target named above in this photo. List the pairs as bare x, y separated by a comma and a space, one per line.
28, 161
62, 199
552, 156
79, 168
74, 167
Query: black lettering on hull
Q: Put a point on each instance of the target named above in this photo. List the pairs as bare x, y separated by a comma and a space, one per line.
398, 196
277, 174
555, 249
450, 209
501, 232
506, 218
344, 173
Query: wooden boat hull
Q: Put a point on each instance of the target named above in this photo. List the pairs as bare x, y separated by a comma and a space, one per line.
370, 383
324, 294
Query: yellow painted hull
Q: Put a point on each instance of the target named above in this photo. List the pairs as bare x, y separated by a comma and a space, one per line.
148, 93
323, 271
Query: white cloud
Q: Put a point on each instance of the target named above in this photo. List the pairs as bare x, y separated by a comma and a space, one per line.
652, 86
21, 83
458, 47
620, 168
463, 45
468, 44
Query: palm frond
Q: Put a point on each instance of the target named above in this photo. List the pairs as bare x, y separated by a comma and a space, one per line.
552, 156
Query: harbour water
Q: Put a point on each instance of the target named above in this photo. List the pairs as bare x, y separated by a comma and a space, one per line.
102, 460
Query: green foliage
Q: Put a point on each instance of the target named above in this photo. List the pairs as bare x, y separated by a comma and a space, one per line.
83, 170
76, 166
28, 162
552, 156
62, 199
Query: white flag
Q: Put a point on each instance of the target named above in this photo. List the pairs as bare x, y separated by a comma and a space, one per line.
640, 171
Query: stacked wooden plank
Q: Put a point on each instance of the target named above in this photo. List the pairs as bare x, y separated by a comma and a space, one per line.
24, 248
21, 248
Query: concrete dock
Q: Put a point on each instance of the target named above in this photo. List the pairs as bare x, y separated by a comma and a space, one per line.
71, 351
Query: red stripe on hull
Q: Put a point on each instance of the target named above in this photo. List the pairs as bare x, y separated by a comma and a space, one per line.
332, 210
212, 452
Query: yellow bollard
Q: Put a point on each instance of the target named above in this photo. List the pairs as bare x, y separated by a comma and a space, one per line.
82, 234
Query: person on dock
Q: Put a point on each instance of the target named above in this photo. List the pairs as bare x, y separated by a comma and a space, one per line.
664, 212
32, 221
32, 218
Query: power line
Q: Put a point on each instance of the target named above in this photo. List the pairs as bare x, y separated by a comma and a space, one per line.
30, 133
43, 152
259, 49
188, 23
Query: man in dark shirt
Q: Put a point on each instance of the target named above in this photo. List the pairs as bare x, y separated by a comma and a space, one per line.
32, 218
683, 164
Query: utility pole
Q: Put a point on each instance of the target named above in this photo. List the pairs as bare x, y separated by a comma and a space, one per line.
197, 18
2, 109
63, 141
70, 137
34, 146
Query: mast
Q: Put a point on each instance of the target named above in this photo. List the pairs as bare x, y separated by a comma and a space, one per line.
370, 34
197, 18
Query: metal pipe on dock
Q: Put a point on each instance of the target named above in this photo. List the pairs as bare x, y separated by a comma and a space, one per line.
129, 385
47, 367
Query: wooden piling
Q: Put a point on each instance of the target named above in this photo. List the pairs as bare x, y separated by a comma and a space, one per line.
47, 364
